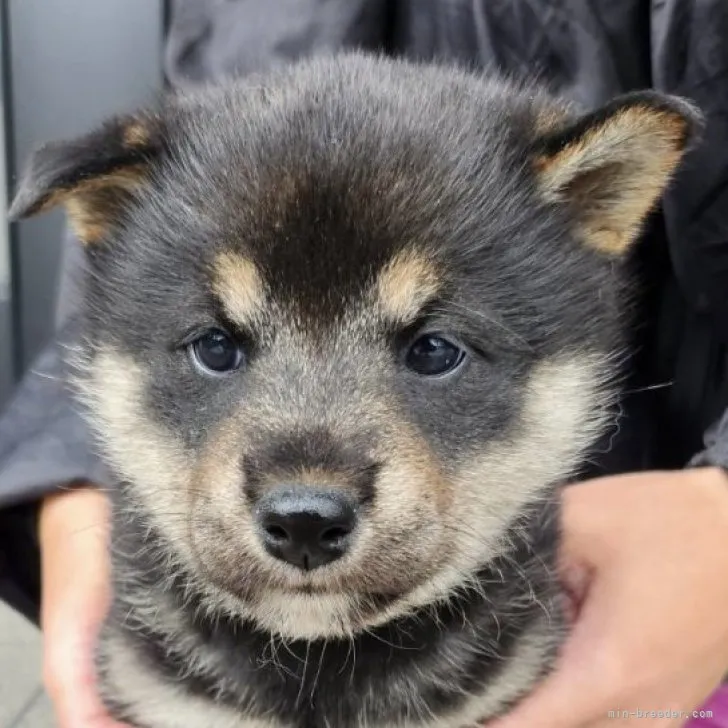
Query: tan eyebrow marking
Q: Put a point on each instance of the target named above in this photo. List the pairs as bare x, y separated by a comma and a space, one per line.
239, 286
405, 284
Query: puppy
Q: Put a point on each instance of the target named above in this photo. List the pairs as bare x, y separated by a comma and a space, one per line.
348, 328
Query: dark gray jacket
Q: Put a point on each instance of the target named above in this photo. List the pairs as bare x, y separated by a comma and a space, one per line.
587, 51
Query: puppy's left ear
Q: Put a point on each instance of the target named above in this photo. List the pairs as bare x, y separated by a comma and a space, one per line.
612, 166
94, 176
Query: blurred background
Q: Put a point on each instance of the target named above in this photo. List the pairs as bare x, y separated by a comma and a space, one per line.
64, 66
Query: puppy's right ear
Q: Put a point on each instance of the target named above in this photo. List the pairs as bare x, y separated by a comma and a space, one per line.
93, 176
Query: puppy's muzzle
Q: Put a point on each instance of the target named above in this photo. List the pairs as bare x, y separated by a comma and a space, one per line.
306, 527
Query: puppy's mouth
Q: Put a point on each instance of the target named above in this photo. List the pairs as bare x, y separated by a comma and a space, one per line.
369, 601
252, 585
313, 590
345, 584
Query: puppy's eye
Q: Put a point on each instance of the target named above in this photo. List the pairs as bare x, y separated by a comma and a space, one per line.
432, 355
215, 352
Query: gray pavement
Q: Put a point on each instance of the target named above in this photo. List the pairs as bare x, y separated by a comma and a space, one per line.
23, 703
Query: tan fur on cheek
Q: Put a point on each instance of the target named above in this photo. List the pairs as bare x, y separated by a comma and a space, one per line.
564, 410
186, 497
410, 542
239, 286
142, 452
223, 529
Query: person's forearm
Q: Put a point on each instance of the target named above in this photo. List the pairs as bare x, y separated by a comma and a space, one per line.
73, 532
72, 527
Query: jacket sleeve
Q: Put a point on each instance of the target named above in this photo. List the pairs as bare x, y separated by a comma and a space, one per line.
44, 445
208, 41
696, 205
44, 440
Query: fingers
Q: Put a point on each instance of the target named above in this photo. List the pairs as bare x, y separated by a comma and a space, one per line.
643, 592
74, 529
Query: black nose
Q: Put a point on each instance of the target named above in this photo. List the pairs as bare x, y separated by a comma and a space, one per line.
304, 527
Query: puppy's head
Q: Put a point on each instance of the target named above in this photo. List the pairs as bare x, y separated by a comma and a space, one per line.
345, 323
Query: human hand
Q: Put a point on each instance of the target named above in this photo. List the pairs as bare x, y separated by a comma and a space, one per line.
647, 557
74, 527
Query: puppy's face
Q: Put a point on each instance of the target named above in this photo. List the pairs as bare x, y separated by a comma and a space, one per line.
344, 326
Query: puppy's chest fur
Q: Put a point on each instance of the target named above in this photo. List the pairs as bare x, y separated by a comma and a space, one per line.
164, 664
